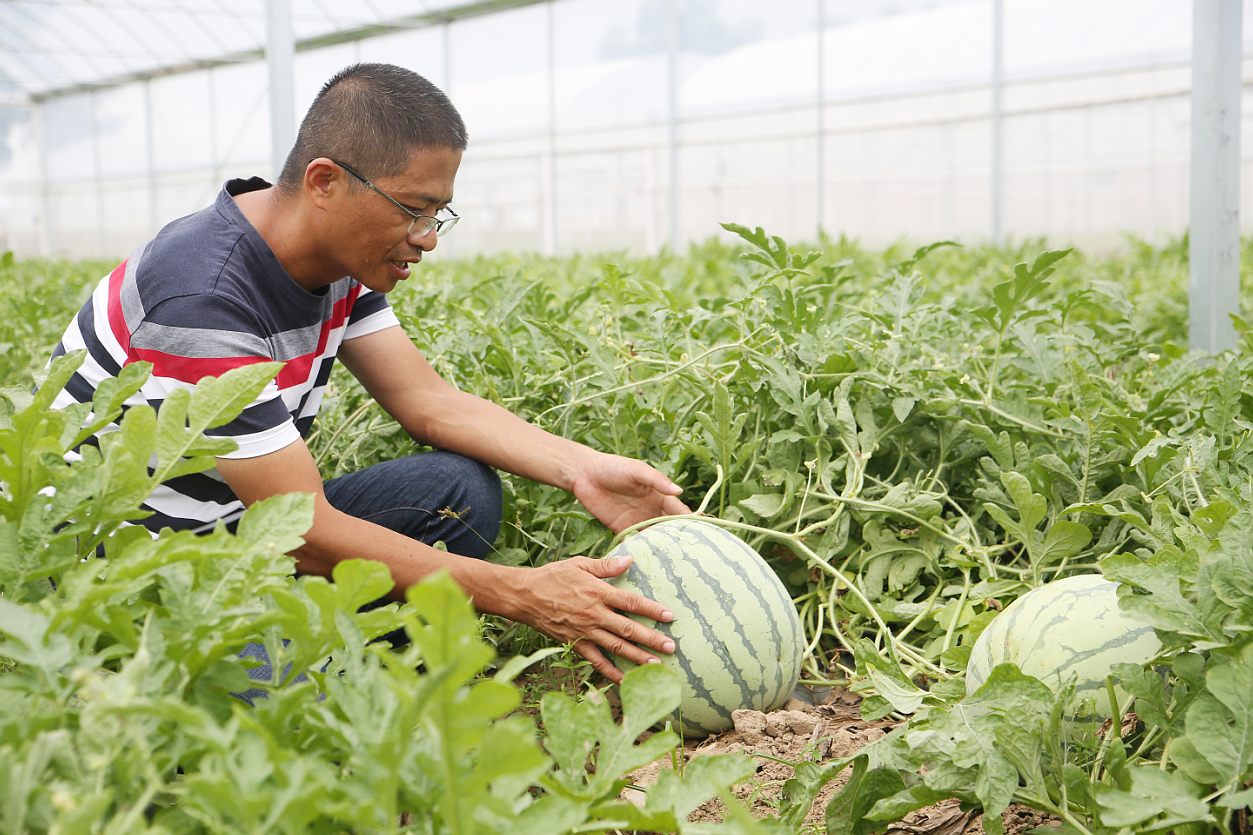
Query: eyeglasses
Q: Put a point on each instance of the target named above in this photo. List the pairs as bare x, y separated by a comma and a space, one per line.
422, 224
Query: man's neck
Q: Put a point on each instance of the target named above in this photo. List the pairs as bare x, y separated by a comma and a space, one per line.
278, 220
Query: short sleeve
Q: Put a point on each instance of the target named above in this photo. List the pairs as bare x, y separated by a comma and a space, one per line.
223, 337
371, 312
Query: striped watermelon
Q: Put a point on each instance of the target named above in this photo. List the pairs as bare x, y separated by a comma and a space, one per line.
1069, 626
739, 639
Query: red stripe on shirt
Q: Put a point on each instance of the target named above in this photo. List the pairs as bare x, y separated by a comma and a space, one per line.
297, 369
191, 369
117, 319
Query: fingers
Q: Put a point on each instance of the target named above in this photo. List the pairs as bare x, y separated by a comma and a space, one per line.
604, 569
627, 601
599, 642
570, 603
599, 662
638, 604
672, 506
664, 485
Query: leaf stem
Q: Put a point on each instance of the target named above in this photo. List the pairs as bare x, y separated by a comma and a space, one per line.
1043, 430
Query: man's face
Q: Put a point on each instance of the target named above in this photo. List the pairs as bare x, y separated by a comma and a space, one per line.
376, 246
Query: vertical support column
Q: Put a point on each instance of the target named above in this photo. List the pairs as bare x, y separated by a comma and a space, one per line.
45, 188
280, 58
672, 117
1214, 244
821, 205
548, 166
149, 157
447, 39
998, 118
97, 181
215, 153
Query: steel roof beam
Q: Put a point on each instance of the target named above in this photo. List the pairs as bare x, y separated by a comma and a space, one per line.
403, 24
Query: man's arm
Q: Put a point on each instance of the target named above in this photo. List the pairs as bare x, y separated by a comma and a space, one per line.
618, 491
566, 600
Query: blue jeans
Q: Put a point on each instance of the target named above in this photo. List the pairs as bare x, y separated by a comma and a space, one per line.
429, 497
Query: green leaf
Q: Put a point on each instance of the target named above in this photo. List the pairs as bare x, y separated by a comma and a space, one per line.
278, 523
1226, 740
1152, 703
1225, 406
887, 678
702, 779
573, 732
845, 423
1032, 507
181, 446
1165, 606
649, 694
1193, 763
1214, 516
765, 505
998, 445
920, 253
516, 665
847, 812
1087, 394
1151, 449
1064, 539
218, 400
448, 635
1153, 793
902, 407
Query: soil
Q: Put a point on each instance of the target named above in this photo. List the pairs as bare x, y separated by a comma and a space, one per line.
831, 729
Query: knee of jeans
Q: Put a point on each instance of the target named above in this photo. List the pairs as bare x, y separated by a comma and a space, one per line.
484, 496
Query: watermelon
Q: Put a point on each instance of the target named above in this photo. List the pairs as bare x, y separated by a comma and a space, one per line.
1067, 627
739, 641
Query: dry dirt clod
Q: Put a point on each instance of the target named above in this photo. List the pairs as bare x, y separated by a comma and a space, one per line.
750, 724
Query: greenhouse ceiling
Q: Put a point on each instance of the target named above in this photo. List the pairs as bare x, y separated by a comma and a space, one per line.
49, 47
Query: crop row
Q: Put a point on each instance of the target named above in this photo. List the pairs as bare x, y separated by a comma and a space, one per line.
912, 439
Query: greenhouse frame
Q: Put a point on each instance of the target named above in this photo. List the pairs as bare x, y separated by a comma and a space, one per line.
599, 125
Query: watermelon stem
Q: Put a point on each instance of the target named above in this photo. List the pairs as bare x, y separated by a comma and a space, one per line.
961, 604
713, 489
570, 404
915, 658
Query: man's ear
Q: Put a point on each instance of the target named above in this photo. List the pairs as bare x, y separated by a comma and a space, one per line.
322, 181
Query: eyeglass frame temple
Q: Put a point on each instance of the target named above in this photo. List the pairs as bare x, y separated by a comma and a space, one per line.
442, 225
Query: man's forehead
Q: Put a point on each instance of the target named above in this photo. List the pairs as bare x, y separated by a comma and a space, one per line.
429, 177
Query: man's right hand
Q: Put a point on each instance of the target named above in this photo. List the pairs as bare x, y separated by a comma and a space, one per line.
570, 602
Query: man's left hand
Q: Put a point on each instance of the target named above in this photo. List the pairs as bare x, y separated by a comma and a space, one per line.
622, 492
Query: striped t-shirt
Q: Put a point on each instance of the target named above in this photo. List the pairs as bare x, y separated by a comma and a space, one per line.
204, 296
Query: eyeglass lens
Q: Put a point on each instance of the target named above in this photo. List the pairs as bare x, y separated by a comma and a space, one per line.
422, 226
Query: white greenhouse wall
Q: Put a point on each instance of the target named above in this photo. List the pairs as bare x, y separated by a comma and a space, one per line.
570, 133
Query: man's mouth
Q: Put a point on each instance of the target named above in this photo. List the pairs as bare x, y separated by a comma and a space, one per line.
402, 268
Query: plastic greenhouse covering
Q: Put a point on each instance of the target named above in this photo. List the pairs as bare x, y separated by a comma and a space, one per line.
626, 124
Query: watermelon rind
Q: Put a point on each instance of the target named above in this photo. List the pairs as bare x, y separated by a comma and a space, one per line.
1069, 627
739, 640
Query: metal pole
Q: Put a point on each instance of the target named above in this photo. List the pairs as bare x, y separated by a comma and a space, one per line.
549, 166
97, 163
672, 116
1214, 243
998, 116
149, 157
215, 161
280, 56
45, 188
822, 122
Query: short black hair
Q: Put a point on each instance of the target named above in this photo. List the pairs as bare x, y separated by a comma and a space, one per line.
373, 117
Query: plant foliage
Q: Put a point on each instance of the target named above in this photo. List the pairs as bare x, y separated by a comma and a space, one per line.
912, 438
118, 713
